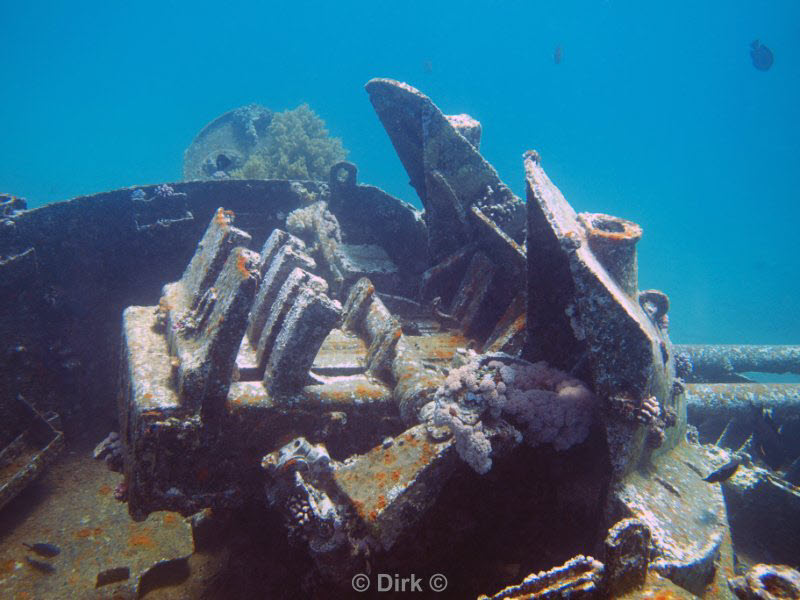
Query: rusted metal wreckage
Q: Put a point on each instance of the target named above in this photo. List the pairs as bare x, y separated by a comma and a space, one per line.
368, 355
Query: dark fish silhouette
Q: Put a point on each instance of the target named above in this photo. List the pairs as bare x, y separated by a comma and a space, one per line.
558, 55
725, 472
43, 549
39, 565
767, 436
761, 56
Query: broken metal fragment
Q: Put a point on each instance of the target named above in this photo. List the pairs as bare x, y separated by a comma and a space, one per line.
163, 573
114, 575
579, 578
686, 517
764, 513
627, 556
767, 582
29, 445
390, 488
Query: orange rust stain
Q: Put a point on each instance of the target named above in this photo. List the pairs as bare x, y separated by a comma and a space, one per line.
441, 353
97, 531
373, 515
411, 440
338, 395
396, 475
84, 533
388, 458
105, 490
381, 503
147, 396
7, 567
141, 539
665, 595
359, 506
170, 519
223, 218
151, 414
241, 265
366, 391
610, 235
380, 478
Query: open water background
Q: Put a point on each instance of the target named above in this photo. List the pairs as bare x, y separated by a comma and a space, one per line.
655, 114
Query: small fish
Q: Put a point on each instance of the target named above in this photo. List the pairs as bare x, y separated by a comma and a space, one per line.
761, 56
558, 55
725, 472
44, 549
39, 565
769, 442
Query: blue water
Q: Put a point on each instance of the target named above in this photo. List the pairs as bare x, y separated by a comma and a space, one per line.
655, 114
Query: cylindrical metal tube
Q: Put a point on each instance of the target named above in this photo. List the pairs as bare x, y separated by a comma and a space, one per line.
738, 399
613, 242
719, 362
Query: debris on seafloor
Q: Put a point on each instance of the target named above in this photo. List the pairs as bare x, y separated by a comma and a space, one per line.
28, 443
110, 450
113, 575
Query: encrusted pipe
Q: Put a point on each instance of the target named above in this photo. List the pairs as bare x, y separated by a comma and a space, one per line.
738, 399
613, 242
721, 363
389, 351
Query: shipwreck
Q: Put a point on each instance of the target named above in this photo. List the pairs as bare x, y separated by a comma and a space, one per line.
443, 391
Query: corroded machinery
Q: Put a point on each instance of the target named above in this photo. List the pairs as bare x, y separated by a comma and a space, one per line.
369, 363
